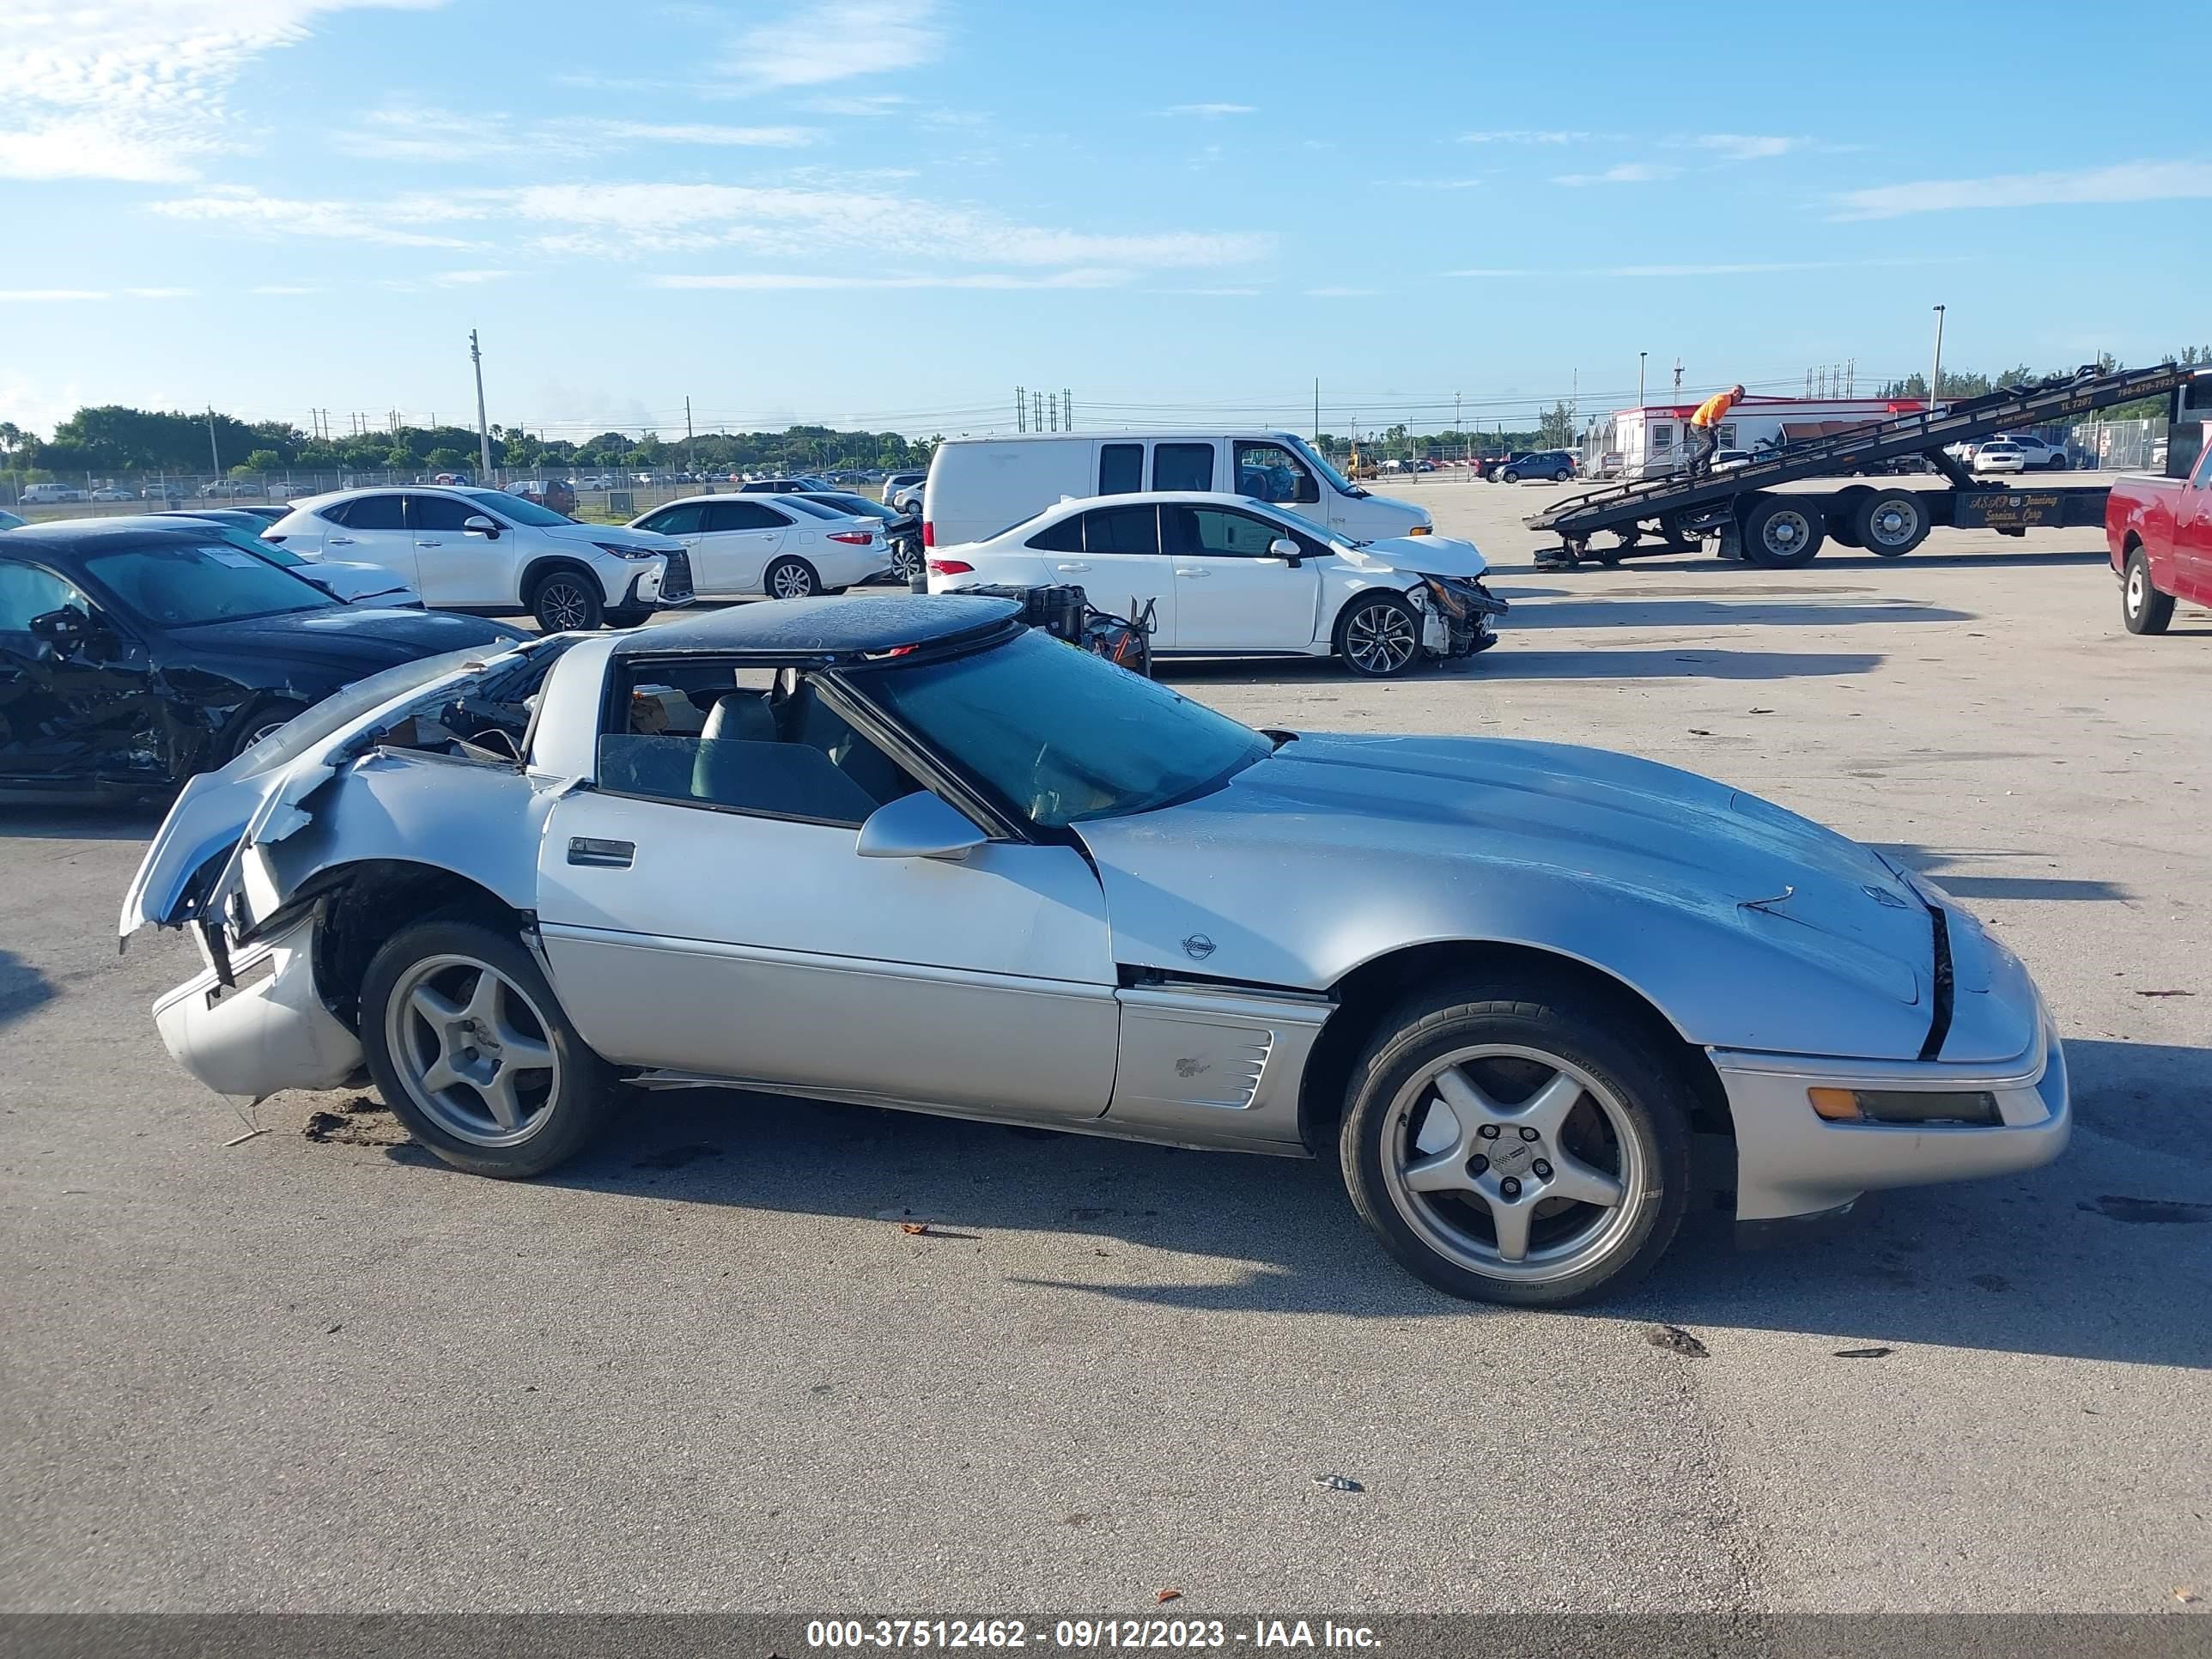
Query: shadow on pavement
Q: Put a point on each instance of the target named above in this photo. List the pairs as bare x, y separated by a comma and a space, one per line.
1628, 611
23, 987
1510, 661
91, 821
1945, 866
2091, 1257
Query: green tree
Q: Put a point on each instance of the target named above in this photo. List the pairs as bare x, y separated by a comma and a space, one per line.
261, 460
446, 459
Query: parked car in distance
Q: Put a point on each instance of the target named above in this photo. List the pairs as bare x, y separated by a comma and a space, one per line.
133, 655
783, 545
782, 486
220, 489
901, 530
2036, 455
162, 492
1724, 457
348, 581
1488, 467
552, 494
978, 486
1998, 455
1225, 576
495, 554
49, 494
110, 493
597, 482
2158, 533
1553, 465
896, 483
1501, 984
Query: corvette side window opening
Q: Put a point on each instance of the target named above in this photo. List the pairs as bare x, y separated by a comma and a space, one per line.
745, 740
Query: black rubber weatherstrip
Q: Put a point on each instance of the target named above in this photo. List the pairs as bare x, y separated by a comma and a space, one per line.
1940, 1026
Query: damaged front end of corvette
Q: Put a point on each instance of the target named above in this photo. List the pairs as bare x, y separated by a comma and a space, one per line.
396, 794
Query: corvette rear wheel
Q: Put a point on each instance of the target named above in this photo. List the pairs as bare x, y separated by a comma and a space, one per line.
1517, 1144
468, 1046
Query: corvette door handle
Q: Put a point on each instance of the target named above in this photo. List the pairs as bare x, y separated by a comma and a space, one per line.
338, 541
1071, 567
601, 854
1182, 571
429, 544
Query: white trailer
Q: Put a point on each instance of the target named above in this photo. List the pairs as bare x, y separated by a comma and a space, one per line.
1649, 441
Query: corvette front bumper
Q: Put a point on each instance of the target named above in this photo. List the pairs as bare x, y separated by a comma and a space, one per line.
1791, 1161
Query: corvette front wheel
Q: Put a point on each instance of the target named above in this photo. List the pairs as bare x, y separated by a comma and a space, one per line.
1518, 1143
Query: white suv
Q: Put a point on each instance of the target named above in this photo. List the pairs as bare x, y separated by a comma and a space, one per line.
485, 551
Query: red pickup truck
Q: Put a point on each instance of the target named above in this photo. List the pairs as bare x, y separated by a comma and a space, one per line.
2158, 532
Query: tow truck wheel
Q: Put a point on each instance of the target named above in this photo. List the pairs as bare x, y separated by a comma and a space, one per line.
1781, 532
1891, 522
1843, 515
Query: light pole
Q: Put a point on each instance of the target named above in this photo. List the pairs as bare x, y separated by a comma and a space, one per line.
1935, 372
1640, 356
483, 432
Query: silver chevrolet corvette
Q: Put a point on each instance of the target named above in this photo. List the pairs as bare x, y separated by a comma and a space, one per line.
903, 851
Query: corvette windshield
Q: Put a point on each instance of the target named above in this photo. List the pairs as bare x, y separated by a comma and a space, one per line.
1065, 735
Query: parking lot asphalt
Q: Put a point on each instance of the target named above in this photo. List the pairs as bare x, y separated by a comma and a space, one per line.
705, 1368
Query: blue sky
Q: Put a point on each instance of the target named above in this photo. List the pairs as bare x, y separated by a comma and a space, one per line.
890, 212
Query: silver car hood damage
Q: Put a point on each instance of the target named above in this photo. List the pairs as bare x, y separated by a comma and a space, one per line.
1752, 927
260, 798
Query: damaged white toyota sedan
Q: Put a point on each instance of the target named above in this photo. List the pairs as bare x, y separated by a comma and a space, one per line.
1504, 982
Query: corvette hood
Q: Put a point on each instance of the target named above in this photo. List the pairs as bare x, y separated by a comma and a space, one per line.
1399, 833
1423, 555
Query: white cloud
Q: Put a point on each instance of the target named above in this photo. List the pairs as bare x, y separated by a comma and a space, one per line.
694, 133
42, 295
241, 208
2127, 181
1528, 136
628, 221
1628, 172
160, 293
837, 40
134, 90
761, 281
1745, 146
1210, 112
409, 132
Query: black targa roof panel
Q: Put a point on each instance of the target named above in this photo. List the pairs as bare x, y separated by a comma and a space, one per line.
843, 625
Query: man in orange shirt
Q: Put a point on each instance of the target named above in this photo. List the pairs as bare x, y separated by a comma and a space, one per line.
1706, 429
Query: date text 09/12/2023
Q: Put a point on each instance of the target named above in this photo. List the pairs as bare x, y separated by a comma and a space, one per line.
1118, 1634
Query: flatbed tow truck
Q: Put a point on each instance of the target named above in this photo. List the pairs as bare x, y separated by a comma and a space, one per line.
1751, 519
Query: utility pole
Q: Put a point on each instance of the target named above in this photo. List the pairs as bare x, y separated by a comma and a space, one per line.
1678, 380
1021, 411
1936, 372
1457, 428
1316, 411
1640, 356
1067, 408
690, 460
483, 432
214, 458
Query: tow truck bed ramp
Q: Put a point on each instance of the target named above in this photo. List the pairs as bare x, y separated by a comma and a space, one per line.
1788, 530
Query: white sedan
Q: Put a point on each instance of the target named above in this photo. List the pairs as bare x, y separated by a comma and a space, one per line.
1999, 455
781, 545
1222, 575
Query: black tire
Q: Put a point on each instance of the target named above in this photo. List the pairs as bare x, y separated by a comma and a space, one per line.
789, 578
1783, 532
579, 1095
1637, 1111
257, 723
567, 602
1510, 475
2057, 463
1370, 635
1562, 476
1891, 522
2144, 609
1843, 514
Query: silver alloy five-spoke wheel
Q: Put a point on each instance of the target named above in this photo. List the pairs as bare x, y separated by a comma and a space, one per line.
1381, 639
791, 579
472, 1051
1514, 1163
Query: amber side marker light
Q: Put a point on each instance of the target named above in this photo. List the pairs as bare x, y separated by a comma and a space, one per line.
1971, 1106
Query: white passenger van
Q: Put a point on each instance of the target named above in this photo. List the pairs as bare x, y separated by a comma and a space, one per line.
980, 486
